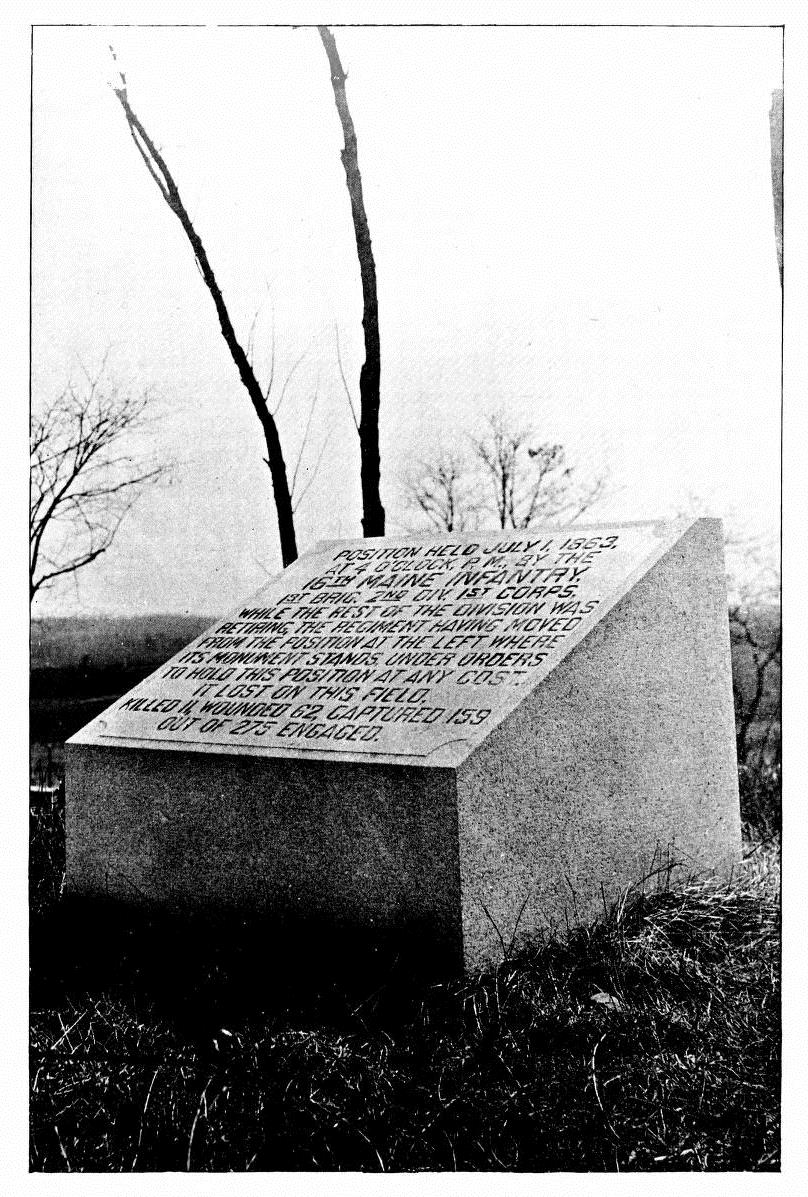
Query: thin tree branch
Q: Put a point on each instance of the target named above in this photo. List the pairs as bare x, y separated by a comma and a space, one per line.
344, 383
315, 471
285, 386
306, 430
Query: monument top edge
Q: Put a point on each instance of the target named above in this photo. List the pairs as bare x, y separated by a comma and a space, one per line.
663, 525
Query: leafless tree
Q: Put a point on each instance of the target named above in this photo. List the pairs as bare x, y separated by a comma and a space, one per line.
443, 491
156, 165
510, 479
529, 479
85, 475
373, 517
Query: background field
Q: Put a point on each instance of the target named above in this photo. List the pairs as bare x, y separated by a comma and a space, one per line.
80, 666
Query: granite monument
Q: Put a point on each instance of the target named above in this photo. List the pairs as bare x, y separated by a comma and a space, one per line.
464, 739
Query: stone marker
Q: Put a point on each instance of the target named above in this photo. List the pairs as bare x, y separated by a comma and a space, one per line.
445, 736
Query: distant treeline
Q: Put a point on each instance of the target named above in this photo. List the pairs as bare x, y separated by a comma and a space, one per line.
113, 642
79, 666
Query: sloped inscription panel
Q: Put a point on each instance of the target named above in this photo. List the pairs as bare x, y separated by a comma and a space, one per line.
398, 649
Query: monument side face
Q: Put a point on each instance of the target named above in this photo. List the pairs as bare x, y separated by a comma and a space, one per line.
305, 843
621, 760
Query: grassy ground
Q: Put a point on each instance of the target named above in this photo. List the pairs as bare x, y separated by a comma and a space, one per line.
648, 1041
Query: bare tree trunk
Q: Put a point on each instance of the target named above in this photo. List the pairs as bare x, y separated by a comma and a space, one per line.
370, 374
159, 171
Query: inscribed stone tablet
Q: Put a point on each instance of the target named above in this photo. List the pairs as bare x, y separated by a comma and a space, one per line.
401, 650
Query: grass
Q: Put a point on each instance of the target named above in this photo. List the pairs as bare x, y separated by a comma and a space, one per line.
648, 1041
759, 783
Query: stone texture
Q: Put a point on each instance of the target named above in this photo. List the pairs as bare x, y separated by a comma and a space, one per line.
620, 762
315, 843
428, 736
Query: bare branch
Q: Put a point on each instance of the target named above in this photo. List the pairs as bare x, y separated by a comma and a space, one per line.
250, 346
530, 481
519, 482
315, 471
764, 656
344, 383
441, 490
271, 362
271, 379
85, 475
306, 430
287, 380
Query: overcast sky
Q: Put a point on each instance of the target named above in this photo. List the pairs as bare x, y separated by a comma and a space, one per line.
572, 225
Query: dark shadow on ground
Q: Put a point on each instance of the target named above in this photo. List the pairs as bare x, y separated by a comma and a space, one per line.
198, 970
